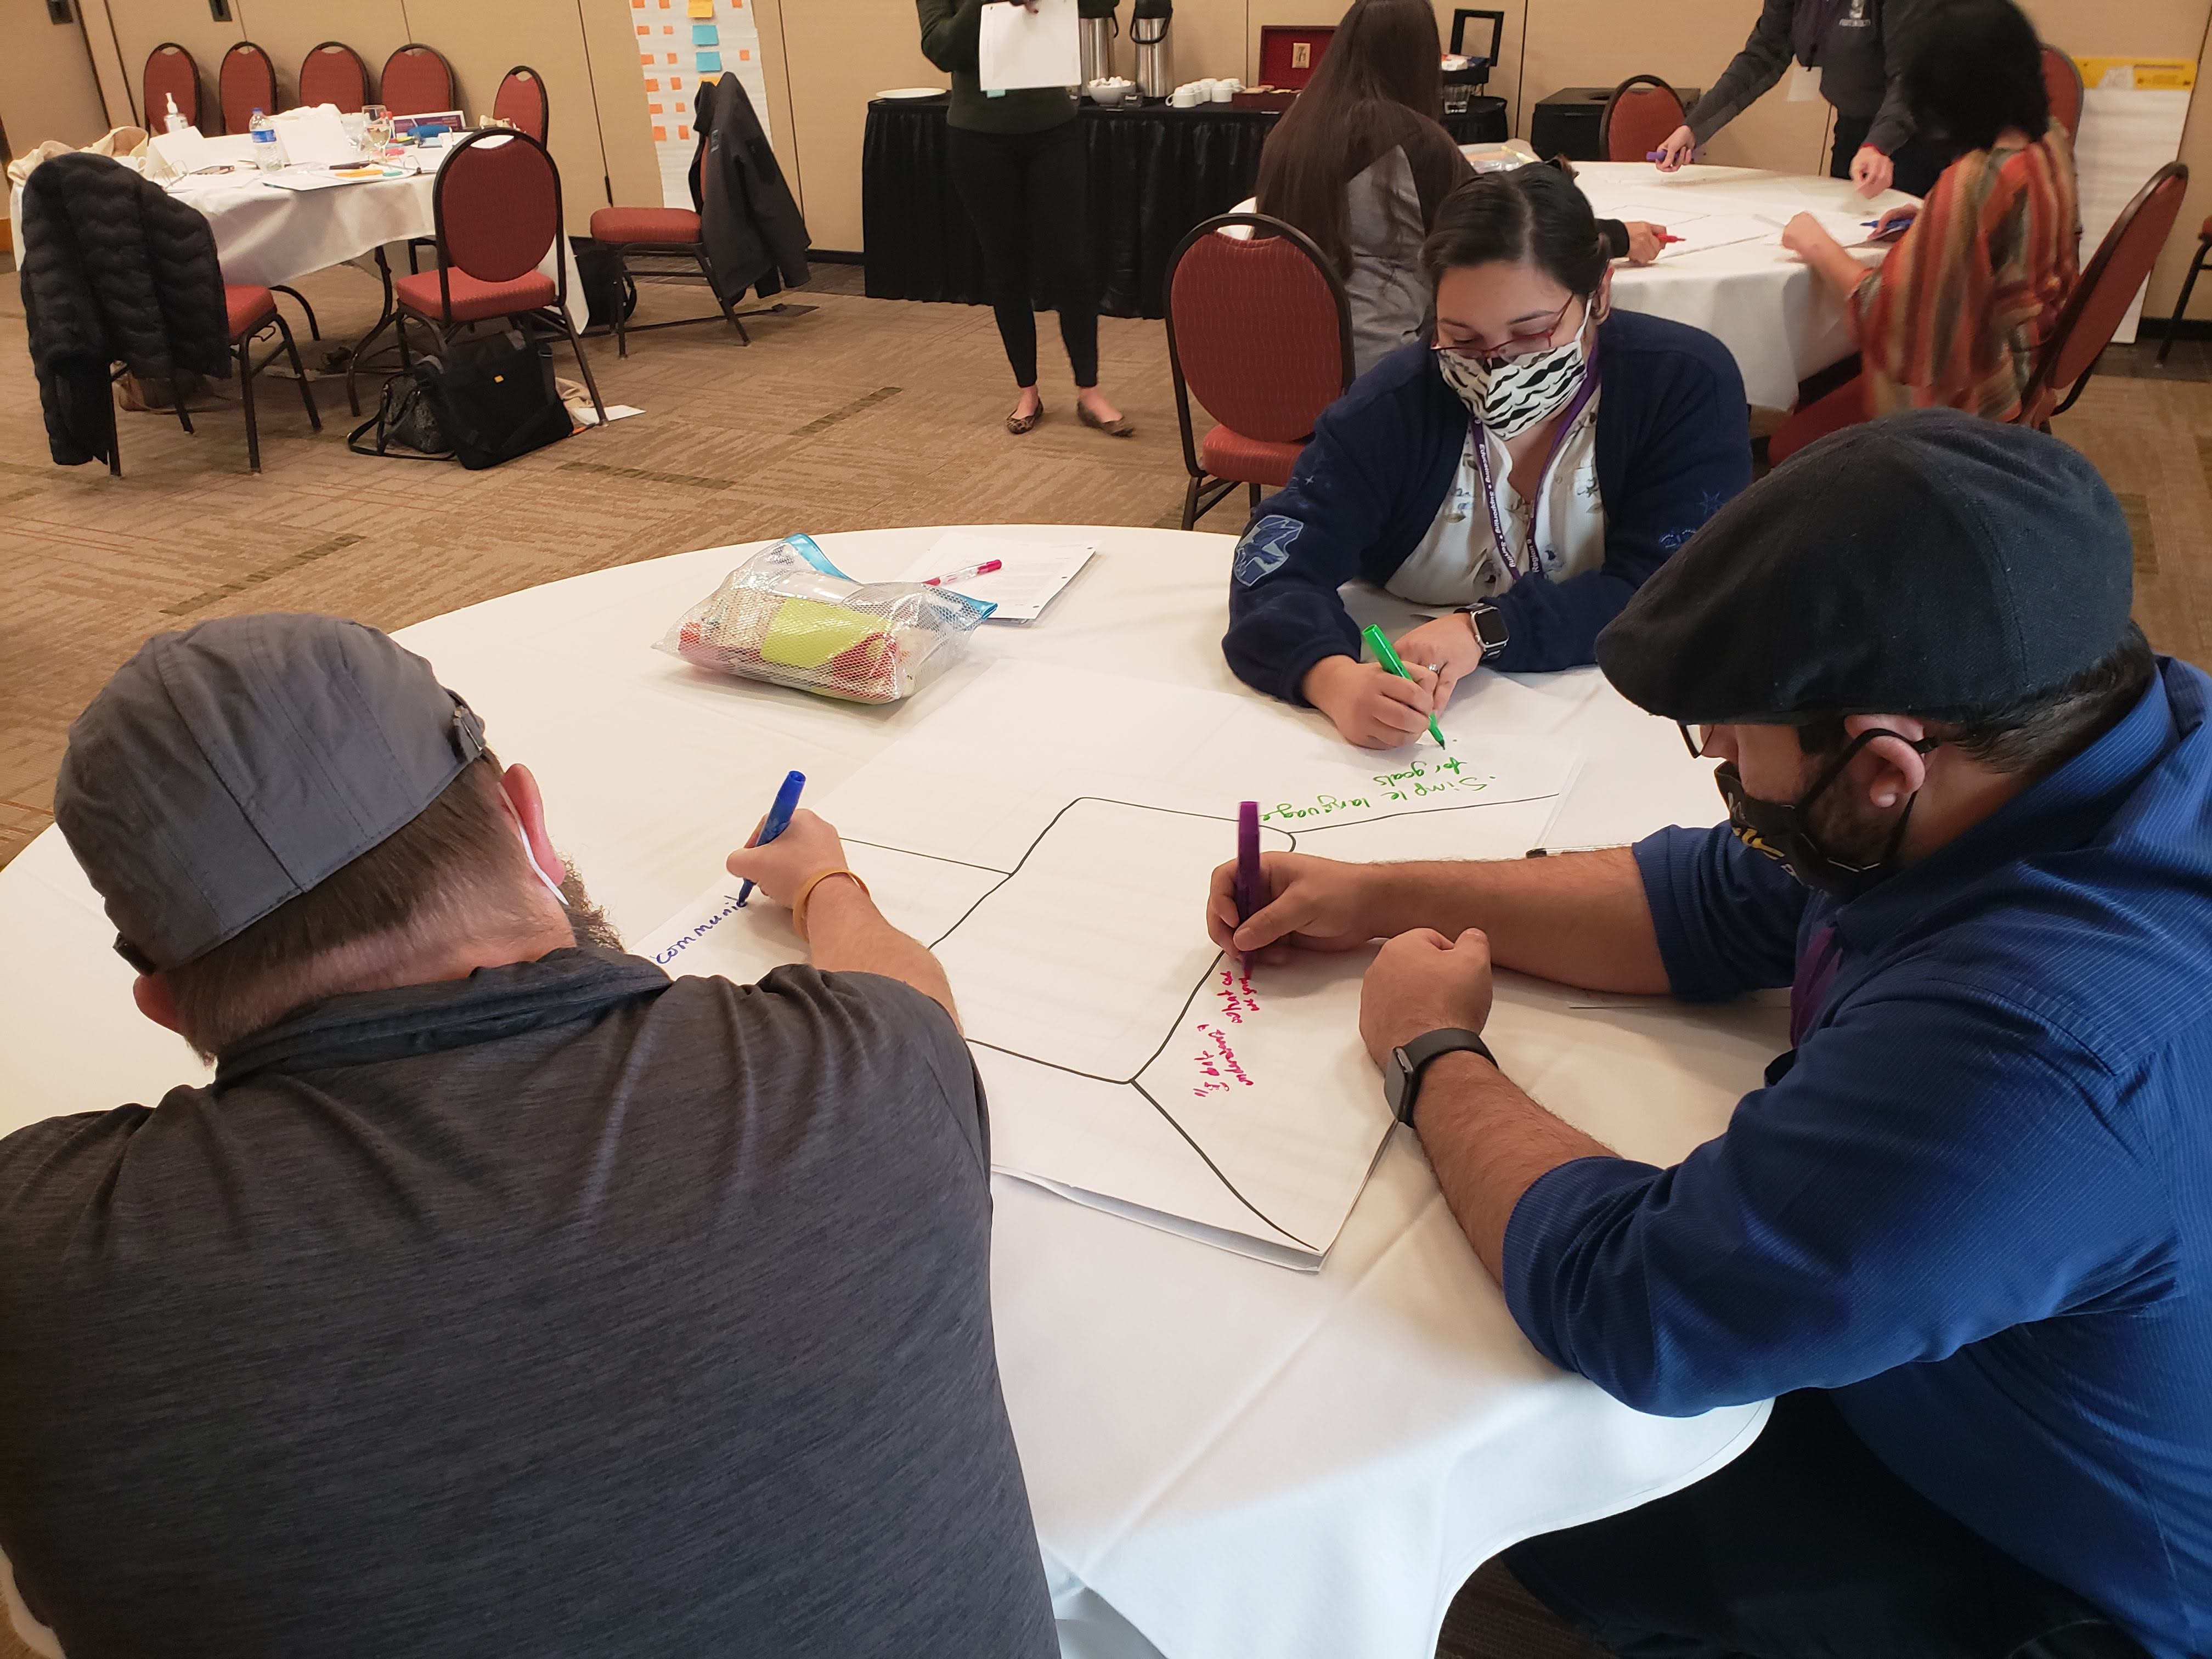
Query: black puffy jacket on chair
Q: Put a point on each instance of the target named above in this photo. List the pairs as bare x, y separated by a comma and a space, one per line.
115, 271
754, 234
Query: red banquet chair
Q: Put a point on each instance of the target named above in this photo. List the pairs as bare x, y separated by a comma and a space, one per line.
170, 73
2061, 79
2092, 313
1641, 115
246, 81
416, 81
522, 98
251, 312
497, 204
1260, 332
333, 73
662, 233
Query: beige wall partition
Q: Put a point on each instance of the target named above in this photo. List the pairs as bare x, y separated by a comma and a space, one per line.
142, 24
287, 30
834, 55
47, 88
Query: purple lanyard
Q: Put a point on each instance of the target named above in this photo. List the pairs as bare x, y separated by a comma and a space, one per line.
1489, 482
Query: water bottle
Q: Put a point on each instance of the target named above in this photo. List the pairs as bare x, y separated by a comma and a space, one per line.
266, 150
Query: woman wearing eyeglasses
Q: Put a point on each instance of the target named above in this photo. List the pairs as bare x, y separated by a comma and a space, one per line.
1522, 474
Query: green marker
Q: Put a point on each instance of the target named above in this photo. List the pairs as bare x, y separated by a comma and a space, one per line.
1388, 658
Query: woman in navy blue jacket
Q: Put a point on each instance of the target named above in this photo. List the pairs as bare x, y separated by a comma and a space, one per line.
1524, 475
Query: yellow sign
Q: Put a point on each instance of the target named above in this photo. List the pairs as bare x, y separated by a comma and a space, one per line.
2138, 74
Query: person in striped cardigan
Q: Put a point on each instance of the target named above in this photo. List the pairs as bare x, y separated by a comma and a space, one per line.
1955, 316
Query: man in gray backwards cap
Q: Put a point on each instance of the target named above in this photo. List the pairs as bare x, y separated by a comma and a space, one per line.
499, 1295
1965, 1231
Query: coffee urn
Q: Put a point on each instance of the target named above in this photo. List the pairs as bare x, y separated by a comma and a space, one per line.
1096, 28
1148, 28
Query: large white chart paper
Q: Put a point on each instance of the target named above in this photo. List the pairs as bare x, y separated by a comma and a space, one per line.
1017, 46
1050, 833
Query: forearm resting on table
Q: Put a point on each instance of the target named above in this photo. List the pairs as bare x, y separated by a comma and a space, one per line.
1576, 918
846, 934
1488, 1142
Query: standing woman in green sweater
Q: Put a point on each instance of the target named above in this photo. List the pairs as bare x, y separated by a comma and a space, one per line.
1017, 160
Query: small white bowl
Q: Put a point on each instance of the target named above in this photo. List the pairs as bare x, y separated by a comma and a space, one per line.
1108, 95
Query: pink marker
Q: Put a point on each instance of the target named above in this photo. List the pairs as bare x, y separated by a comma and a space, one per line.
950, 576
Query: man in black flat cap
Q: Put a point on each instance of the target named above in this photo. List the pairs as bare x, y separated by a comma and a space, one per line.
500, 1296
1965, 1231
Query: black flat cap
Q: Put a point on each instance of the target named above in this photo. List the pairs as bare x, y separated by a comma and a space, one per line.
1926, 563
232, 767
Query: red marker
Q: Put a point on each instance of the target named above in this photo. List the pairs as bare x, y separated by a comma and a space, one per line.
983, 569
1663, 237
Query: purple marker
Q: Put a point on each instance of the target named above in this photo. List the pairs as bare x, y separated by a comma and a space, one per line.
1655, 154
1251, 893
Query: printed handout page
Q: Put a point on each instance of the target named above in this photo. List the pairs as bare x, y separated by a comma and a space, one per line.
1033, 575
1024, 46
1050, 833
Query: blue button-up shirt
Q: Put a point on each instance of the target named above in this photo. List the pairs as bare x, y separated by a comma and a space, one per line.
1978, 1208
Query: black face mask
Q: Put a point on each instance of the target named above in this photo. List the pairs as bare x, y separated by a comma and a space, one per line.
1783, 832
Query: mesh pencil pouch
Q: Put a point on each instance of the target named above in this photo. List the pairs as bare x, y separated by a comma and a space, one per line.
788, 615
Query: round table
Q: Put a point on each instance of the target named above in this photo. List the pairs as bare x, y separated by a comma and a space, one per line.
265, 235
1777, 318
1224, 1458
1773, 311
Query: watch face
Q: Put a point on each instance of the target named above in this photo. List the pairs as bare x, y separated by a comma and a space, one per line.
1490, 628
1397, 1078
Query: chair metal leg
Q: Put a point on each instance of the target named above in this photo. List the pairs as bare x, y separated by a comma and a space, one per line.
314, 330
729, 308
622, 310
405, 361
1252, 508
307, 391
2180, 306
590, 385
1190, 505
177, 406
245, 402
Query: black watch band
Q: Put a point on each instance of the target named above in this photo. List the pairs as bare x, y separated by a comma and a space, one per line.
1401, 1072
1489, 624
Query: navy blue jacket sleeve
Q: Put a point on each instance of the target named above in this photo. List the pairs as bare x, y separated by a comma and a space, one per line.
1683, 453
1308, 539
1726, 917
1859, 1216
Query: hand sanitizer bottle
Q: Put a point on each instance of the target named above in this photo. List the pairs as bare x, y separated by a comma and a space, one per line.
266, 150
176, 122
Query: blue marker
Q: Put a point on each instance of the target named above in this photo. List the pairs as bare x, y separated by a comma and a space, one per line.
779, 820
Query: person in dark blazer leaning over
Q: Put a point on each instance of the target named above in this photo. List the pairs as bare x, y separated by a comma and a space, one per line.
1858, 49
1524, 476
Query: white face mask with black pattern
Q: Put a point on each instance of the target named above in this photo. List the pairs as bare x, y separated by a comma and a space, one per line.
1509, 398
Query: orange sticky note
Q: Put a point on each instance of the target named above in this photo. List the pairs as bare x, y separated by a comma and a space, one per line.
745, 54
679, 106
652, 85
660, 134
676, 83
653, 109
646, 58
645, 28
683, 132
672, 58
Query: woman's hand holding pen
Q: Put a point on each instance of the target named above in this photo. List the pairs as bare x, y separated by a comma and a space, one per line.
1369, 705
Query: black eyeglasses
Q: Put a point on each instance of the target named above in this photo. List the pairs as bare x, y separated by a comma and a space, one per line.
1694, 738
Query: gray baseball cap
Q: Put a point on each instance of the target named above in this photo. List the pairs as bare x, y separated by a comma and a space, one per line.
230, 767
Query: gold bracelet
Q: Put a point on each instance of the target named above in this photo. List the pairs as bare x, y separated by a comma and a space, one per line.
799, 905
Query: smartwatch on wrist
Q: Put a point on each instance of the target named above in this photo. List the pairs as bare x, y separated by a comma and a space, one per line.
1489, 624
1401, 1072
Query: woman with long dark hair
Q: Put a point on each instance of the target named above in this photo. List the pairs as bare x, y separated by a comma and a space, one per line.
1524, 475
1360, 164
1016, 158
1957, 314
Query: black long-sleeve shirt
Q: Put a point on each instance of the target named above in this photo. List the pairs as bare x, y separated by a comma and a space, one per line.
1859, 49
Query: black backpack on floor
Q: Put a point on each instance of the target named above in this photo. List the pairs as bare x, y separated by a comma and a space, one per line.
486, 400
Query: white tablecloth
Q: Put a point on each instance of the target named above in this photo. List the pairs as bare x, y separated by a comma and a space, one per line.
1778, 318
1225, 1458
265, 235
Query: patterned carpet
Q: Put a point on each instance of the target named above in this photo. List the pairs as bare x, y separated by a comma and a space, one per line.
858, 414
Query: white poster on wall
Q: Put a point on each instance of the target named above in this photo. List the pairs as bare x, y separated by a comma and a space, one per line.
681, 43
2128, 133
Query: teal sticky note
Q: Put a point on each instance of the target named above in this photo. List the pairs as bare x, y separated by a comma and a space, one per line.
708, 62
705, 35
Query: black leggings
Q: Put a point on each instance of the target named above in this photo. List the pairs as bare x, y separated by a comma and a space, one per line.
1805, 1547
1025, 193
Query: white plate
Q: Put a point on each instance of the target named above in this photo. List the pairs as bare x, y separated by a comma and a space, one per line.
913, 91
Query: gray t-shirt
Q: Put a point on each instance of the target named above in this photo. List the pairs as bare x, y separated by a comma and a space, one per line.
562, 1310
